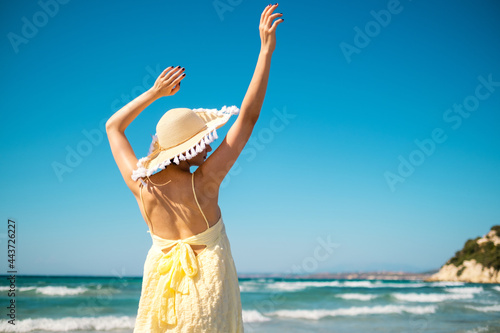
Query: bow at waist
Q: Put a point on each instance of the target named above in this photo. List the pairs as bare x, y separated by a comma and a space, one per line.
177, 269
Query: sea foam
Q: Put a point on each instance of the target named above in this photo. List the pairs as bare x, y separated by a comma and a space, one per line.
353, 311
357, 297
479, 329
253, 316
446, 284
379, 284
51, 290
69, 324
3, 288
491, 308
60, 290
301, 285
414, 297
465, 290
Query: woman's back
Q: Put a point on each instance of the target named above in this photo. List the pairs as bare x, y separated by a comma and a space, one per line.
172, 211
185, 290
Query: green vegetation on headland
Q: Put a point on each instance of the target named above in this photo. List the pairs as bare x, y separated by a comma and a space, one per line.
486, 253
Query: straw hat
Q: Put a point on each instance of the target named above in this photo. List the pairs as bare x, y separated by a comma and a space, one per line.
181, 134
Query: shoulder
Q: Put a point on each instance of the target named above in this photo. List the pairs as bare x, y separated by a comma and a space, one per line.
205, 184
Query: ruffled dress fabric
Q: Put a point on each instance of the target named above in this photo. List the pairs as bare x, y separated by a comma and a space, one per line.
184, 292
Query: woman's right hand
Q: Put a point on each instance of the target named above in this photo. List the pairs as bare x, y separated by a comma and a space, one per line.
169, 81
267, 28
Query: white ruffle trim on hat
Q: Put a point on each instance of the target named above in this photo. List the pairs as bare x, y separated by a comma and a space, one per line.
211, 136
141, 171
152, 145
225, 110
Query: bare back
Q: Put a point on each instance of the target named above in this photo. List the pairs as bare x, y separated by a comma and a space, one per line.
171, 210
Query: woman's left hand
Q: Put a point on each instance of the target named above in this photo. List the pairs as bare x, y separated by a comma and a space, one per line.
169, 81
268, 28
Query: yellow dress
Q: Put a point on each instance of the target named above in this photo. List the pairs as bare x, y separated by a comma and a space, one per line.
185, 292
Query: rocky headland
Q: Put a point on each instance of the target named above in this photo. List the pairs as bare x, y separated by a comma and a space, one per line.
477, 262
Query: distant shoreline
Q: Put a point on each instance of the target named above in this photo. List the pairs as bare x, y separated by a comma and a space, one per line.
345, 276
383, 275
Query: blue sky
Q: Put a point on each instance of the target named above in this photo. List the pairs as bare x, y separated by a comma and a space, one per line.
333, 158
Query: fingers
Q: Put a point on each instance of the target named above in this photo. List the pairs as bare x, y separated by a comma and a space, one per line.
176, 89
275, 24
263, 15
267, 11
165, 71
174, 71
268, 16
177, 81
169, 81
272, 17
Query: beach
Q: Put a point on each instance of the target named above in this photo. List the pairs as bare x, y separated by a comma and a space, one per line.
271, 303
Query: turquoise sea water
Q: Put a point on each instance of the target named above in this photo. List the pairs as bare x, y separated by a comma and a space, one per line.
97, 304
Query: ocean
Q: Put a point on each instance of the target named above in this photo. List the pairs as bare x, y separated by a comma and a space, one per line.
99, 304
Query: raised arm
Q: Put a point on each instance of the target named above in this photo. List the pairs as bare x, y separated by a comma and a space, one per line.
218, 164
167, 84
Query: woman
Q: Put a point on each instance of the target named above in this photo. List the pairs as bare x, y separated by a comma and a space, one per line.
190, 282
